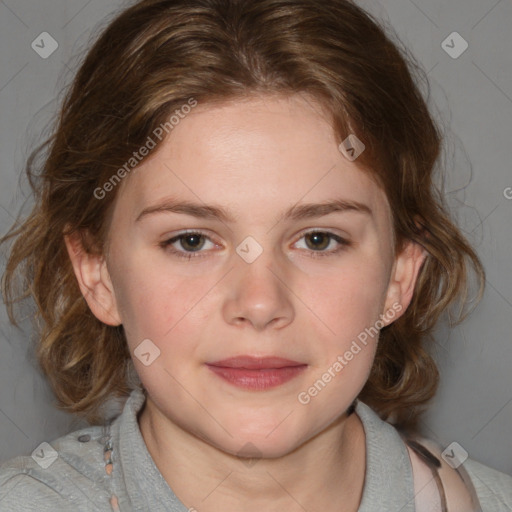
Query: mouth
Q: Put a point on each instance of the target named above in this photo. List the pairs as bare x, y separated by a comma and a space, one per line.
257, 373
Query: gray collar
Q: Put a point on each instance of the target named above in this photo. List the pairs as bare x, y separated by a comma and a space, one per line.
140, 486
388, 482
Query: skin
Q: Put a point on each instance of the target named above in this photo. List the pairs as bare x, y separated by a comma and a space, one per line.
256, 157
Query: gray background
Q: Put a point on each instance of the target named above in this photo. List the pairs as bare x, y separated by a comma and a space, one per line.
471, 97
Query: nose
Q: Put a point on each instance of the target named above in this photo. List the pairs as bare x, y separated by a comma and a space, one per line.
258, 294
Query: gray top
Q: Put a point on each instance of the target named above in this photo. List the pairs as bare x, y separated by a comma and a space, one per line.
76, 480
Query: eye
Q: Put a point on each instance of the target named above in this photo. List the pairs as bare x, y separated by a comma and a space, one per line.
191, 241
318, 240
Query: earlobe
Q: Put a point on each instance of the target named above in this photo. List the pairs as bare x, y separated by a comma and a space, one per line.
404, 276
94, 280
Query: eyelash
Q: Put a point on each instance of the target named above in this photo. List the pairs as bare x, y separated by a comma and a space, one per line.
167, 244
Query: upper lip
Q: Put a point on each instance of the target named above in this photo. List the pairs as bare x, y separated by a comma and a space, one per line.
256, 363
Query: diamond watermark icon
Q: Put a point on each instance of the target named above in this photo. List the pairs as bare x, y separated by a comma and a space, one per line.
351, 147
249, 250
146, 352
455, 455
45, 455
249, 454
44, 45
454, 45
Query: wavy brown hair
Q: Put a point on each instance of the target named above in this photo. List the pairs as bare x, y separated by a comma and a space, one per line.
149, 61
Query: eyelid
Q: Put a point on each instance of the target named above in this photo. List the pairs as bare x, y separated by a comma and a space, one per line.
319, 229
169, 239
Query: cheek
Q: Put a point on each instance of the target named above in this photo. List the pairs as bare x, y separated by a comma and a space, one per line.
160, 310
172, 312
152, 304
350, 299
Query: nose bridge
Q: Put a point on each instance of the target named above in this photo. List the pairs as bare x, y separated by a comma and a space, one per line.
258, 292
256, 267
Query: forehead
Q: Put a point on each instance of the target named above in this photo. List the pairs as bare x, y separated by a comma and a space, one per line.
255, 156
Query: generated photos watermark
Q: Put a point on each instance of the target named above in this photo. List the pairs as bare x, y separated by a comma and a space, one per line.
158, 133
357, 345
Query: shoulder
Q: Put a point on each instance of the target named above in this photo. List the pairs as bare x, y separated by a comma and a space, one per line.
466, 480
494, 488
63, 474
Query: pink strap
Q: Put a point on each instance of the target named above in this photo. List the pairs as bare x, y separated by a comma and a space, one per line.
428, 488
428, 497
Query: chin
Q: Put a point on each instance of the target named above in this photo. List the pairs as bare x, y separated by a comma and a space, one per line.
251, 450
268, 443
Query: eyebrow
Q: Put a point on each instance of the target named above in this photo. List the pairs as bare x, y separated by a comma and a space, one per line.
217, 212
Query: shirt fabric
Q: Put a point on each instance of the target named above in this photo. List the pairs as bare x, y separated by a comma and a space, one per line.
77, 481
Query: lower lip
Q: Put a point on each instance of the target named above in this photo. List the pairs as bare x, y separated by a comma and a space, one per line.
258, 380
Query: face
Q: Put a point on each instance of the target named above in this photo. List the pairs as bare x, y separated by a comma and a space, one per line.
258, 274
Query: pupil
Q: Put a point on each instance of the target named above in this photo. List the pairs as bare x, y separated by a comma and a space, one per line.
318, 236
195, 244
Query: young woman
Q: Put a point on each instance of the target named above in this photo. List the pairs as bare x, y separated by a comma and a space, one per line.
238, 204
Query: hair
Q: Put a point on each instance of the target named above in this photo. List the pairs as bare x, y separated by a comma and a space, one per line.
149, 61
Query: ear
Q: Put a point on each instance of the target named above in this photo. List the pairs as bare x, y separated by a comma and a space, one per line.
94, 280
403, 279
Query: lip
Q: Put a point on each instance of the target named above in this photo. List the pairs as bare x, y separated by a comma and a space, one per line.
256, 363
257, 373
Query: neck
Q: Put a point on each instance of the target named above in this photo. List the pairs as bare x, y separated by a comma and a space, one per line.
325, 473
